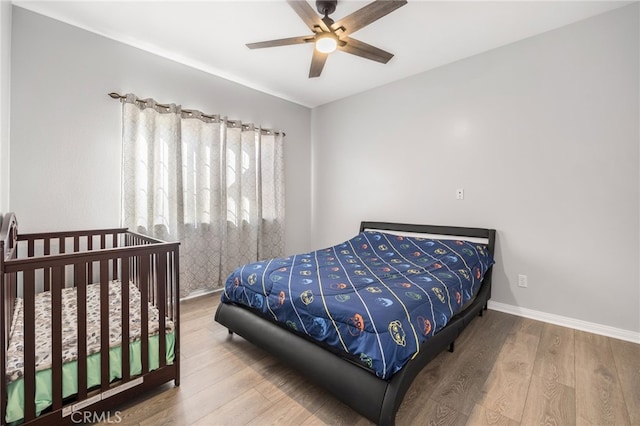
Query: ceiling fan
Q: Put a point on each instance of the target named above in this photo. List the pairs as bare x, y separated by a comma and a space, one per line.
329, 35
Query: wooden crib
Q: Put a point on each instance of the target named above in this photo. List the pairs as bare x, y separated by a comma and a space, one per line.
83, 275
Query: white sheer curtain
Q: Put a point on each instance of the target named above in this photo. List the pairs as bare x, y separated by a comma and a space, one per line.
217, 186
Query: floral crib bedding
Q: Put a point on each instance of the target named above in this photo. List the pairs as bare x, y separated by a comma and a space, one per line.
15, 351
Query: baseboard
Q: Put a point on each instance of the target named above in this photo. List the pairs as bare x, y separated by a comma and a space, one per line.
200, 293
604, 330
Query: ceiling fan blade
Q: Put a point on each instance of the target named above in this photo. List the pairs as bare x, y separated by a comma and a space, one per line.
317, 63
366, 15
364, 50
280, 42
308, 15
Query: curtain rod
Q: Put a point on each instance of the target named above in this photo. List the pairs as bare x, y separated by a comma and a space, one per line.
234, 123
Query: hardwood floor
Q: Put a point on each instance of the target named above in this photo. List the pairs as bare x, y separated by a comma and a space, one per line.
506, 370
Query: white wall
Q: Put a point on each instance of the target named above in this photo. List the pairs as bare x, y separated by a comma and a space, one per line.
66, 134
5, 101
542, 135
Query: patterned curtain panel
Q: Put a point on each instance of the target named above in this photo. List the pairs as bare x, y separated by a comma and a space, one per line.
216, 186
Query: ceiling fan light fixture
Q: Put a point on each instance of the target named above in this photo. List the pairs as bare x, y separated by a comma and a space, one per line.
325, 31
326, 43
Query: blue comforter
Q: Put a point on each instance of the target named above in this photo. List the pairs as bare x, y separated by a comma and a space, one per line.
375, 297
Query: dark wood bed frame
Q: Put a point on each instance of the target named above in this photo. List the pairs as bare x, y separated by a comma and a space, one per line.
374, 398
51, 261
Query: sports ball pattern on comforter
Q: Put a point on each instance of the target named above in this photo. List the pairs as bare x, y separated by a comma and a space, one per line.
376, 297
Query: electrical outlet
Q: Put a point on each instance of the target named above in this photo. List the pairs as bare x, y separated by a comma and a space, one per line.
460, 194
522, 280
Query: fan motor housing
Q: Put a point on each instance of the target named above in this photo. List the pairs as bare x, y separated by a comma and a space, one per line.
326, 7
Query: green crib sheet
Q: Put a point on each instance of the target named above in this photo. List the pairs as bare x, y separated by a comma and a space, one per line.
15, 389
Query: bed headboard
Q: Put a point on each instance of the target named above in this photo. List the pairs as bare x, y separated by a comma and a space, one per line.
433, 231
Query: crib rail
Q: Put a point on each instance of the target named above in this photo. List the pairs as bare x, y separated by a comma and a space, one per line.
54, 261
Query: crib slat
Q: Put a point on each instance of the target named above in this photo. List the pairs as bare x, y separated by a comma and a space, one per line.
169, 286
56, 335
30, 248
90, 264
47, 271
160, 284
81, 288
104, 325
29, 346
126, 368
78, 273
144, 312
175, 281
114, 272
152, 280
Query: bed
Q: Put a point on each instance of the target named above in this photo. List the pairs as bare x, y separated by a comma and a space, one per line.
68, 298
428, 272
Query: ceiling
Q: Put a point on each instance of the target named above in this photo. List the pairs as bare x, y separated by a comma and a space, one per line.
211, 36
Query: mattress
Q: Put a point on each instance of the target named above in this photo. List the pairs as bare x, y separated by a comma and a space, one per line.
373, 299
15, 352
